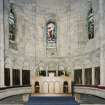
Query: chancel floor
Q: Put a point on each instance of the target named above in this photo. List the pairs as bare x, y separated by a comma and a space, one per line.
84, 100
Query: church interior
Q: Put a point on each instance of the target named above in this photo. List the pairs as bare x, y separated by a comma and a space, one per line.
52, 50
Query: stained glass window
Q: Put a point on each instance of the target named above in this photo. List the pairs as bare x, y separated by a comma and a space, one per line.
90, 23
51, 34
12, 27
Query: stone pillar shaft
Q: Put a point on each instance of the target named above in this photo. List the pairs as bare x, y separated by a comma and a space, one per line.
1, 44
47, 71
83, 76
93, 76
11, 79
102, 44
21, 77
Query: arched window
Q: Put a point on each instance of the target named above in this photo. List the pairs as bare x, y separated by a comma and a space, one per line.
51, 34
90, 20
12, 25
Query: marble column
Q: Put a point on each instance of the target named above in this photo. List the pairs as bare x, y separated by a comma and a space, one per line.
72, 73
11, 77
47, 71
102, 44
1, 44
83, 76
93, 76
21, 83
38, 73
32, 76
56, 72
57, 68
